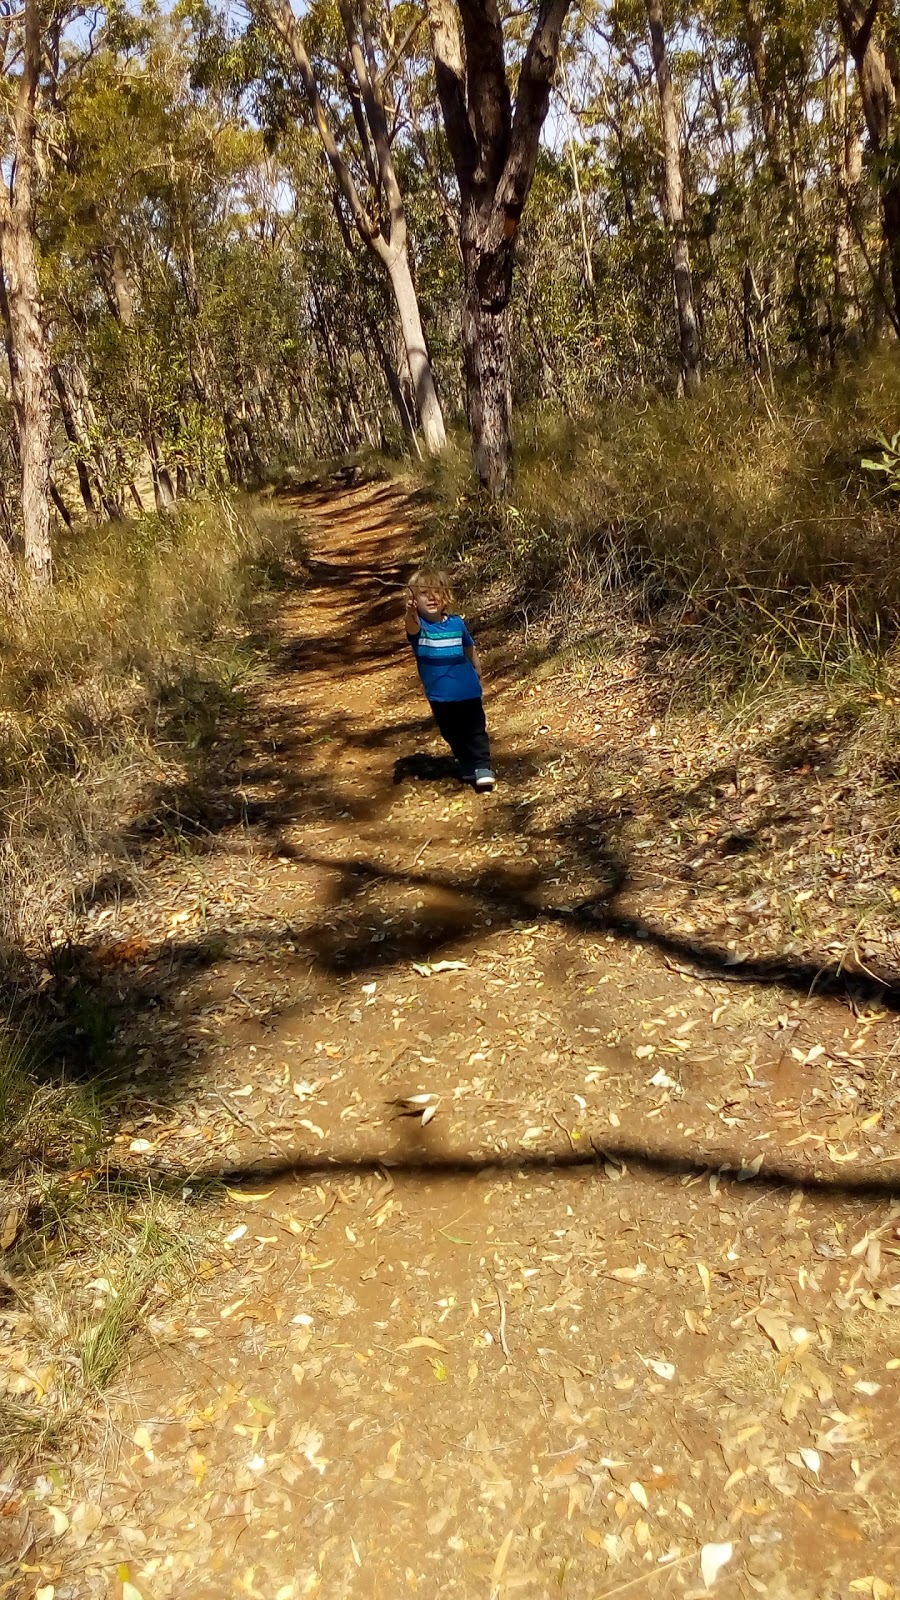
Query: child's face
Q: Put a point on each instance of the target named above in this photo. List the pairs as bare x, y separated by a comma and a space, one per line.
429, 604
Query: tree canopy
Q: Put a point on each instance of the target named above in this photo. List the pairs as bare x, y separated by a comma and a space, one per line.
232, 244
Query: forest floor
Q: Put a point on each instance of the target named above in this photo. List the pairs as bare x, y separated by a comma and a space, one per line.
622, 1318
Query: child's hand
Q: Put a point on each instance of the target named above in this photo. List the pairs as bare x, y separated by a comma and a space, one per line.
413, 622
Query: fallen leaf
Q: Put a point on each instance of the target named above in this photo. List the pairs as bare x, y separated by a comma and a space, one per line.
663, 1369
500, 1561
713, 1557
422, 1343
639, 1493
776, 1329
85, 1520
9, 1229
244, 1198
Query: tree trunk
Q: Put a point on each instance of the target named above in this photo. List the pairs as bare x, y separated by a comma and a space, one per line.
67, 412
391, 378
877, 76
427, 402
688, 331
756, 45
385, 236
494, 146
60, 505
485, 337
26, 337
163, 488
847, 311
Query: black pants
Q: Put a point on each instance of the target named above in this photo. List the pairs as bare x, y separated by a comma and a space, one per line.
462, 724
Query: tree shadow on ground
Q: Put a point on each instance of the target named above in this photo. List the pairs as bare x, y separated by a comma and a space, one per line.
131, 1022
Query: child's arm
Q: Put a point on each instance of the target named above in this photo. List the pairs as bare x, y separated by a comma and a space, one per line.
470, 652
413, 625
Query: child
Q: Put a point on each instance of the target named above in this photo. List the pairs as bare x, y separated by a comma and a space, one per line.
450, 671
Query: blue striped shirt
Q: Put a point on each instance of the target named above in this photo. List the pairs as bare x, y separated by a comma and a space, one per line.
445, 670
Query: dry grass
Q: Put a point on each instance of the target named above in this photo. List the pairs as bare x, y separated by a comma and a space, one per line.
743, 524
106, 686
114, 688
91, 1286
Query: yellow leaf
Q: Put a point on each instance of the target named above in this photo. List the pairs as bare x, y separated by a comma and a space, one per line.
243, 1198
500, 1562
422, 1343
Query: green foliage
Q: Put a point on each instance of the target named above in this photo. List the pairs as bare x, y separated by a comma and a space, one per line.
888, 463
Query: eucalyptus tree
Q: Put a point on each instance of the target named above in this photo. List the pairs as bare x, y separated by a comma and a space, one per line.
372, 194
494, 140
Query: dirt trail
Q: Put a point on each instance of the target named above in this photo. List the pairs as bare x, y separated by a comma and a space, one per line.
543, 1345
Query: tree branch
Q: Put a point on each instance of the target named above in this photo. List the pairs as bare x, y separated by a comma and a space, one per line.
490, 106
363, 62
450, 75
535, 83
281, 19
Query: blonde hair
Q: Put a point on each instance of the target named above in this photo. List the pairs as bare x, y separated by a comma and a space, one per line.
433, 578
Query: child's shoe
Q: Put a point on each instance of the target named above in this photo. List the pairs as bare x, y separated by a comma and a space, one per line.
484, 779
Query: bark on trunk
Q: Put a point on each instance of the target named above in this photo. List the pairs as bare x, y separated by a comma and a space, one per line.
878, 87
485, 338
427, 402
26, 338
688, 330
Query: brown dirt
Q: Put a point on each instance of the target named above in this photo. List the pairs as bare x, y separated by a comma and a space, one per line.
632, 1292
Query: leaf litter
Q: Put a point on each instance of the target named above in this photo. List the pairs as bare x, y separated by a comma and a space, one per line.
416, 1366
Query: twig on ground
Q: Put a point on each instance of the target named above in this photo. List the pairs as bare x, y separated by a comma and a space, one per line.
502, 1304
252, 1128
560, 1124
644, 1577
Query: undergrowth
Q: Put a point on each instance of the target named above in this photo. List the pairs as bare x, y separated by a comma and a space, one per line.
108, 685
743, 526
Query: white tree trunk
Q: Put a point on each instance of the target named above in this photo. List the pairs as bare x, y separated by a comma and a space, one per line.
427, 402
688, 328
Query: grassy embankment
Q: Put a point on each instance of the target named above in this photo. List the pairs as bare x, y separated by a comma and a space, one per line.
115, 689
739, 562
